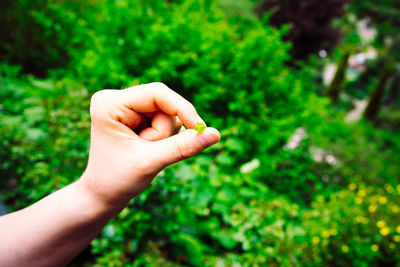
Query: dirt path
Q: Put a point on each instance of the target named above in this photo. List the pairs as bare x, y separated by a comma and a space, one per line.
355, 114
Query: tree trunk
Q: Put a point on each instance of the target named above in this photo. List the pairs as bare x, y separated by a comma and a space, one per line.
394, 90
337, 82
375, 101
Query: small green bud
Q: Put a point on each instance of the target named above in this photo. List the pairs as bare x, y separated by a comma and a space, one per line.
200, 127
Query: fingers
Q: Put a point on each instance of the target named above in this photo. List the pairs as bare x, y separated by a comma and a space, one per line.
162, 126
157, 96
178, 126
184, 145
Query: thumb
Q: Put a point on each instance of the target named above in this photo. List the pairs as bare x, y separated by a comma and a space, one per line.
185, 145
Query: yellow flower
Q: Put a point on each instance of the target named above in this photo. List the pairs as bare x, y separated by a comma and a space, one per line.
345, 248
381, 224
398, 229
395, 209
358, 200
361, 219
372, 208
362, 193
396, 238
333, 231
325, 234
385, 231
352, 186
315, 240
375, 247
320, 199
389, 188
382, 200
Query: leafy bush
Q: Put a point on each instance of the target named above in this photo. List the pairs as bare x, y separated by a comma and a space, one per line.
42, 35
254, 199
45, 135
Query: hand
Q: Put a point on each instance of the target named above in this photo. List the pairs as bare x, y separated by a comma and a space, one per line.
132, 139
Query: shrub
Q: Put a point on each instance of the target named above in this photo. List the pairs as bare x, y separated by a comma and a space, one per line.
252, 199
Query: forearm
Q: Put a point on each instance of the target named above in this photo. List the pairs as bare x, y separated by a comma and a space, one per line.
54, 230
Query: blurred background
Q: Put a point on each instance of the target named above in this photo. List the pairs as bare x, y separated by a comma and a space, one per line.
305, 94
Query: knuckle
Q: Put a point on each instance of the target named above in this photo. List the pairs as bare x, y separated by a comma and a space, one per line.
181, 153
97, 102
96, 97
191, 107
185, 151
187, 108
159, 85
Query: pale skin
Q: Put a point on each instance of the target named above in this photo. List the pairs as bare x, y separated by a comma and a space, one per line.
135, 133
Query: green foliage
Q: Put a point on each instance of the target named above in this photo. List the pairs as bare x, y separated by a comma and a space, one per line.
44, 135
254, 199
352, 227
52, 30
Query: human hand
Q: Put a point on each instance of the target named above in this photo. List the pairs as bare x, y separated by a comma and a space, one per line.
133, 138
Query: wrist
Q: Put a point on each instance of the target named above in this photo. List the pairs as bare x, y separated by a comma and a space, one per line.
102, 196
99, 205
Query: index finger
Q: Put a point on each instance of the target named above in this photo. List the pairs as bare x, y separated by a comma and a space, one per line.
157, 96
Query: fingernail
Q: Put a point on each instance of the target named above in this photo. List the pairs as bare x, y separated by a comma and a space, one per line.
207, 139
